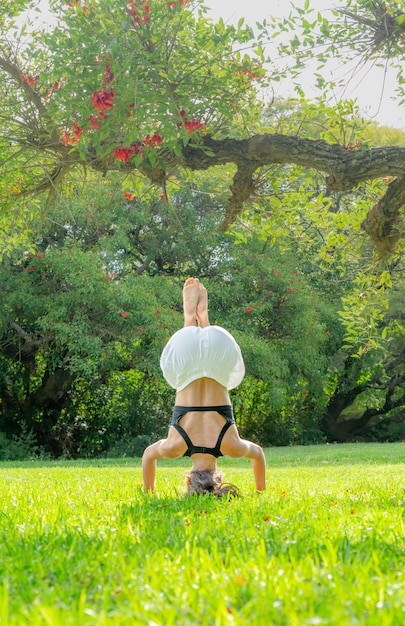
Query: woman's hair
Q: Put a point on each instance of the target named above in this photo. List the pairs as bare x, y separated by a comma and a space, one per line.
209, 481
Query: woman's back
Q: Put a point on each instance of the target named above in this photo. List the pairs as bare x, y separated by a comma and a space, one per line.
203, 392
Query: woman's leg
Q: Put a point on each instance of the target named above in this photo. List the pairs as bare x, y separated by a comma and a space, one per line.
191, 292
202, 307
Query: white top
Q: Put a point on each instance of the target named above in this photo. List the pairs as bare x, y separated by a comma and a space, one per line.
194, 352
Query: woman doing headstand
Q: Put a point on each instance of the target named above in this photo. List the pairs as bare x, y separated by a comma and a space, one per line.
202, 363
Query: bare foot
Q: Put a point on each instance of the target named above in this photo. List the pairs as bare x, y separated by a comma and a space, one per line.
191, 292
202, 307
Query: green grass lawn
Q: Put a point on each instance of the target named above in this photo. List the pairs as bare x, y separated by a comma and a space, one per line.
82, 544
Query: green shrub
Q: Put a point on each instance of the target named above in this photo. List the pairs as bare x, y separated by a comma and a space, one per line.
20, 447
133, 447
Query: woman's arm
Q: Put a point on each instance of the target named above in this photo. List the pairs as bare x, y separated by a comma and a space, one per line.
151, 454
237, 448
256, 453
162, 449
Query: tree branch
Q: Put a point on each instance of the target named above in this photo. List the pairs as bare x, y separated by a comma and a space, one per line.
384, 222
345, 169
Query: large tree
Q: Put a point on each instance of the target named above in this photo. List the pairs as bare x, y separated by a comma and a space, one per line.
154, 86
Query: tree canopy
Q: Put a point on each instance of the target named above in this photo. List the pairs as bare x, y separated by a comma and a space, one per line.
155, 86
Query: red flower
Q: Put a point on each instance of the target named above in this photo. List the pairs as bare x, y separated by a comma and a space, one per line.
65, 138
153, 140
111, 276
40, 255
123, 153
137, 14
68, 139
193, 125
103, 100
108, 75
124, 314
172, 4
94, 121
77, 130
29, 269
128, 196
248, 309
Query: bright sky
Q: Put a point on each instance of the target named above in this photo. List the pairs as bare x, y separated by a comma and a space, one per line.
374, 93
